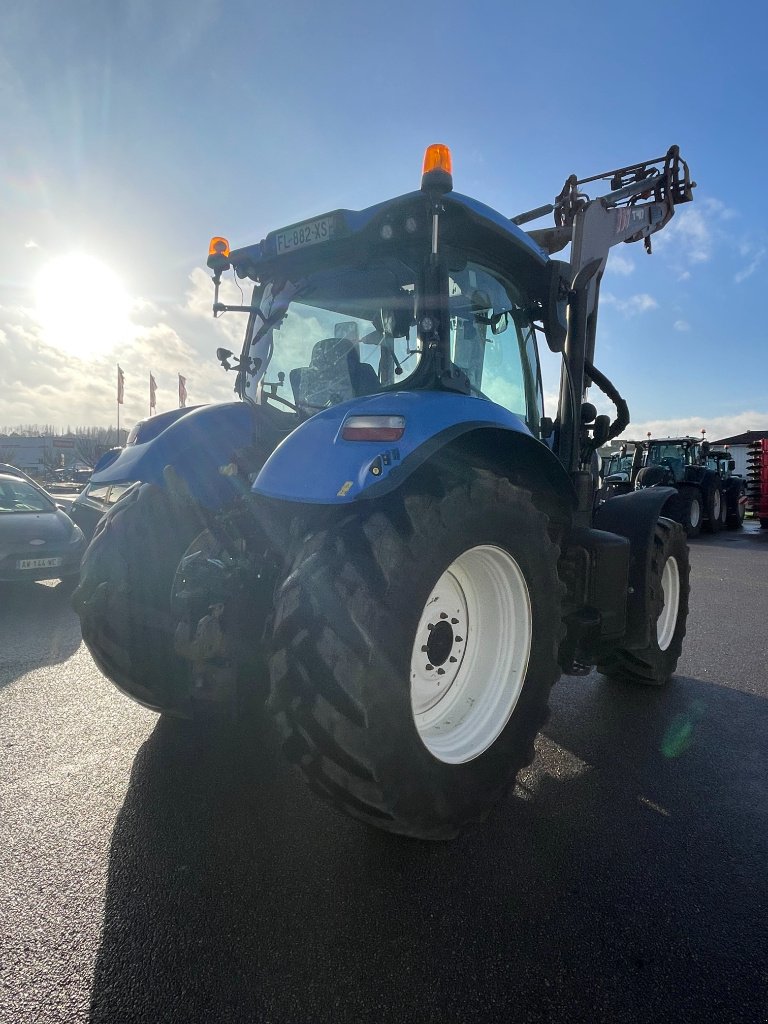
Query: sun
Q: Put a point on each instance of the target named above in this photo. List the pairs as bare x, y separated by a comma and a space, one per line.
82, 306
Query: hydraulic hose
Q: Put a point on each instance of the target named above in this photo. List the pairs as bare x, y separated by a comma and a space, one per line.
622, 409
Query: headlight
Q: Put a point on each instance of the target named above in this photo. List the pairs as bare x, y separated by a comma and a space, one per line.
77, 534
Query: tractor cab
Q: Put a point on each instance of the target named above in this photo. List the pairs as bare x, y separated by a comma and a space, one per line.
431, 290
676, 455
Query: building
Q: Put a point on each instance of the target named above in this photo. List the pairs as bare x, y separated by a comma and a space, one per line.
738, 446
40, 456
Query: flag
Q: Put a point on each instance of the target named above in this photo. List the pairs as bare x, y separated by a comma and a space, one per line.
182, 391
120, 385
152, 392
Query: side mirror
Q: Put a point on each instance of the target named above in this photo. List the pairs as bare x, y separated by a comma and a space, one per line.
499, 323
556, 313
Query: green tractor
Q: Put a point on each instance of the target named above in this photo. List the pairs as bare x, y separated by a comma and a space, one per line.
706, 497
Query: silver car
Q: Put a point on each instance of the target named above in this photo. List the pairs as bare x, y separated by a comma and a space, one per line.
38, 541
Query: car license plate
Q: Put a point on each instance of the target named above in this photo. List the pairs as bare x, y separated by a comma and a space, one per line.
309, 233
38, 563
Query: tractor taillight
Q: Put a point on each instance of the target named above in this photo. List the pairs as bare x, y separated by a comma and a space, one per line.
373, 428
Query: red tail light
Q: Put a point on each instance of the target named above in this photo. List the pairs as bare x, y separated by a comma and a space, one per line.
373, 428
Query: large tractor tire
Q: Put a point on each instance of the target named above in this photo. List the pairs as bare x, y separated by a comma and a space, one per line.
123, 598
668, 586
714, 505
414, 649
735, 516
686, 509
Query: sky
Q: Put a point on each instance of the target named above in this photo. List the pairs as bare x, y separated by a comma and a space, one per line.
135, 130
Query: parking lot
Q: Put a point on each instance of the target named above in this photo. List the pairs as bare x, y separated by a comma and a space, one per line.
148, 875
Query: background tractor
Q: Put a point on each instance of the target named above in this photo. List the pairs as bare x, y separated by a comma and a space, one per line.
708, 496
386, 533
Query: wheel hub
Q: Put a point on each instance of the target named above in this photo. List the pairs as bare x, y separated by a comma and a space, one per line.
440, 644
440, 641
470, 654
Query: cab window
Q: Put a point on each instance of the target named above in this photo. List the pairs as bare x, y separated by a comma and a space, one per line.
493, 341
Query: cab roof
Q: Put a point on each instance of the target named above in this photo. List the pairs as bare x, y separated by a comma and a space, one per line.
492, 229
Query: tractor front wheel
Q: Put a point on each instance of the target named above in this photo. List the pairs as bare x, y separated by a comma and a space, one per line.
735, 516
715, 500
668, 589
414, 650
123, 598
688, 511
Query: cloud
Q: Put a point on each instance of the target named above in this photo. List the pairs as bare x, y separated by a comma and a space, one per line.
693, 233
682, 325
702, 231
620, 264
716, 426
632, 306
688, 236
755, 261
42, 384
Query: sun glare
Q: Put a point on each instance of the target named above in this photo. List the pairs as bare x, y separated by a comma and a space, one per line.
82, 306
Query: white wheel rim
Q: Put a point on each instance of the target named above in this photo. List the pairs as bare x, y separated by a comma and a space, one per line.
670, 586
470, 654
695, 512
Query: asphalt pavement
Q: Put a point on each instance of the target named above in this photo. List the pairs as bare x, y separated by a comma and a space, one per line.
149, 876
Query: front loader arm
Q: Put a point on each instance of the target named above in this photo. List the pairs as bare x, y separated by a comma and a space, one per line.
641, 201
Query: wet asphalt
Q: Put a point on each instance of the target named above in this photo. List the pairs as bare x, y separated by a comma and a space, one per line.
147, 876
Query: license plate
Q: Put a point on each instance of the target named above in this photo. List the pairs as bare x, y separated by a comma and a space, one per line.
38, 563
309, 233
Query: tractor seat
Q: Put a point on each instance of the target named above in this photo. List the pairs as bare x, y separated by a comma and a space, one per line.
675, 466
334, 375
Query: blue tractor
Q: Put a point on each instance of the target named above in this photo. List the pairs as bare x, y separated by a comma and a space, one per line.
385, 540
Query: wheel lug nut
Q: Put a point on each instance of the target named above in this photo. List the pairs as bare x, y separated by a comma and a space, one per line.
424, 649
454, 622
453, 660
443, 615
430, 668
459, 639
441, 671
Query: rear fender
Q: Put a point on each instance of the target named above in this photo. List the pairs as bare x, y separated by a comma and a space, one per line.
634, 516
201, 445
316, 465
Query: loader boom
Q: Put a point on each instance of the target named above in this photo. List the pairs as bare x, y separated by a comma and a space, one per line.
641, 201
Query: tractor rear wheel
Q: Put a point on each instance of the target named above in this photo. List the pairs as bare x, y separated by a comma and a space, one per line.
413, 653
123, 598
667, 598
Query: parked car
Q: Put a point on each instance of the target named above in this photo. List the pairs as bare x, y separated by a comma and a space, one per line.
92, 503
38, 540
5, 467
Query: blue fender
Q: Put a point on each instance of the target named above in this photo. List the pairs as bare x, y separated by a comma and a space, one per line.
316, 465
200, 443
